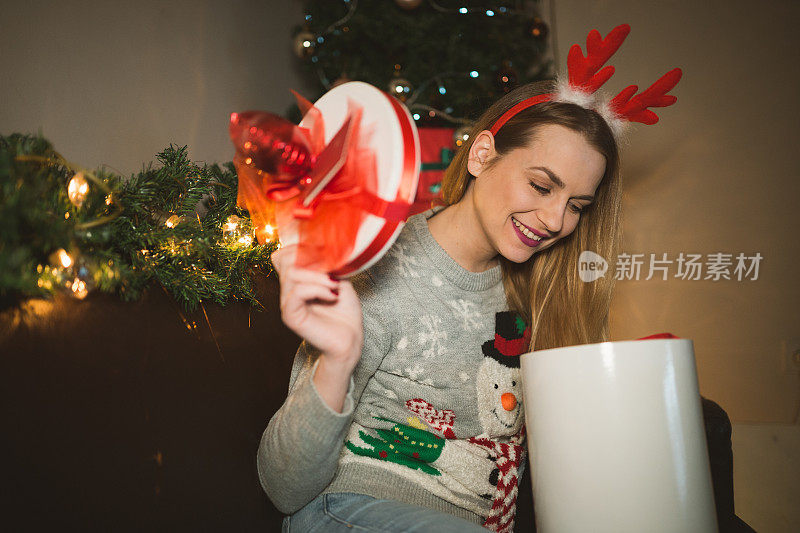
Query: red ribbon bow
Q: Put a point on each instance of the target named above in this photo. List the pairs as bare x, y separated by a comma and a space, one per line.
288, 175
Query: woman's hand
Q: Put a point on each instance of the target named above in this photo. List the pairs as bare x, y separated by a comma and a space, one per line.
323, 311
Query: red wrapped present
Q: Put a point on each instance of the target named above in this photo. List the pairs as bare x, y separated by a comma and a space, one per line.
437, 149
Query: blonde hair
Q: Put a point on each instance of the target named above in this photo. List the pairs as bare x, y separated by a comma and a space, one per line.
546, 290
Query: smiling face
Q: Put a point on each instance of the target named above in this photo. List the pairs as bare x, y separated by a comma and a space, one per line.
529, 198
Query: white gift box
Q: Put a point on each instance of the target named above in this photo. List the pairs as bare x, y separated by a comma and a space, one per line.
616, 438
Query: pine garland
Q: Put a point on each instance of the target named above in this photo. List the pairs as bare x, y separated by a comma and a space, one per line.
162, 226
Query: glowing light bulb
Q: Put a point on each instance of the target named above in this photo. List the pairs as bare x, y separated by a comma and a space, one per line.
79, 289
265, 233
172, 221
77, 189
64, 258
231, 226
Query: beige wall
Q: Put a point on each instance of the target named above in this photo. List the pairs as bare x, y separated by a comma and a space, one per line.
766, 476
718, 173
115, 82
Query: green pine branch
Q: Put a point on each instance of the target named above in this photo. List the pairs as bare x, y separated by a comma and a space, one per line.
119, 241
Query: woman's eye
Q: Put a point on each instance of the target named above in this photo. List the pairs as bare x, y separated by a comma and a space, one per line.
543, 190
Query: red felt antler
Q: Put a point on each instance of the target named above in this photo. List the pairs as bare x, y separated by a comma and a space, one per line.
634, 108
587, 74
583, 71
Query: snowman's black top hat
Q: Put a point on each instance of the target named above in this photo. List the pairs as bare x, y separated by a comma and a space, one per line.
511, 339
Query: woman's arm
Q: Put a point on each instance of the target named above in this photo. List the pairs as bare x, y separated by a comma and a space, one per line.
299, 451
332, 381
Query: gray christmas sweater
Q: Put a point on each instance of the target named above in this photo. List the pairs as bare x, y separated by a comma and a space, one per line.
434, 411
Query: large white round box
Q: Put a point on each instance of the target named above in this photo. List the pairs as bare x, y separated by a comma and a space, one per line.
616, 438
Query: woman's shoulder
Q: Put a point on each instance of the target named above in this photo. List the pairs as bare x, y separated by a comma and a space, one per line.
402, 259
389, 276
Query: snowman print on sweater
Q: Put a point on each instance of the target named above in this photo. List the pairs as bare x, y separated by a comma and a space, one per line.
499, 386
500, 409
487, 463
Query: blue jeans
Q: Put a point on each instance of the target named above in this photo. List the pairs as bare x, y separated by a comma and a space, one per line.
348, 511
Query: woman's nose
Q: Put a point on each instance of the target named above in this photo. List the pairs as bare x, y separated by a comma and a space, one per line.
552, 216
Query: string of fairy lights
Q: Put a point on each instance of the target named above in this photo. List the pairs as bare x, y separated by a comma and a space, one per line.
77, 278
74, 231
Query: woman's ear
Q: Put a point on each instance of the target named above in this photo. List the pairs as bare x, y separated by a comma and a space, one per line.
480, 152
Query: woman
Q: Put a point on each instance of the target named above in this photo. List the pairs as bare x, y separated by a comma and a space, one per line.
404, 411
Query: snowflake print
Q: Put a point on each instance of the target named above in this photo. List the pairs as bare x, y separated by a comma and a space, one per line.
414, 371
402, 344
467, 312
406, 262
432, 337
464, 376
436, 281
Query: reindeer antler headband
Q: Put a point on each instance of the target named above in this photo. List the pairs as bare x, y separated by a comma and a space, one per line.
586, 76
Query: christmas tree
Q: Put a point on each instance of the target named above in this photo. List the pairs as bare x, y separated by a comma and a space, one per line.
446, 60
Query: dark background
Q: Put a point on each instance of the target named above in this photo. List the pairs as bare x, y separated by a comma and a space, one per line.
117, 416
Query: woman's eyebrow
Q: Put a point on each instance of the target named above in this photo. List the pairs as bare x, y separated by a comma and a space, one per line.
560, 184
